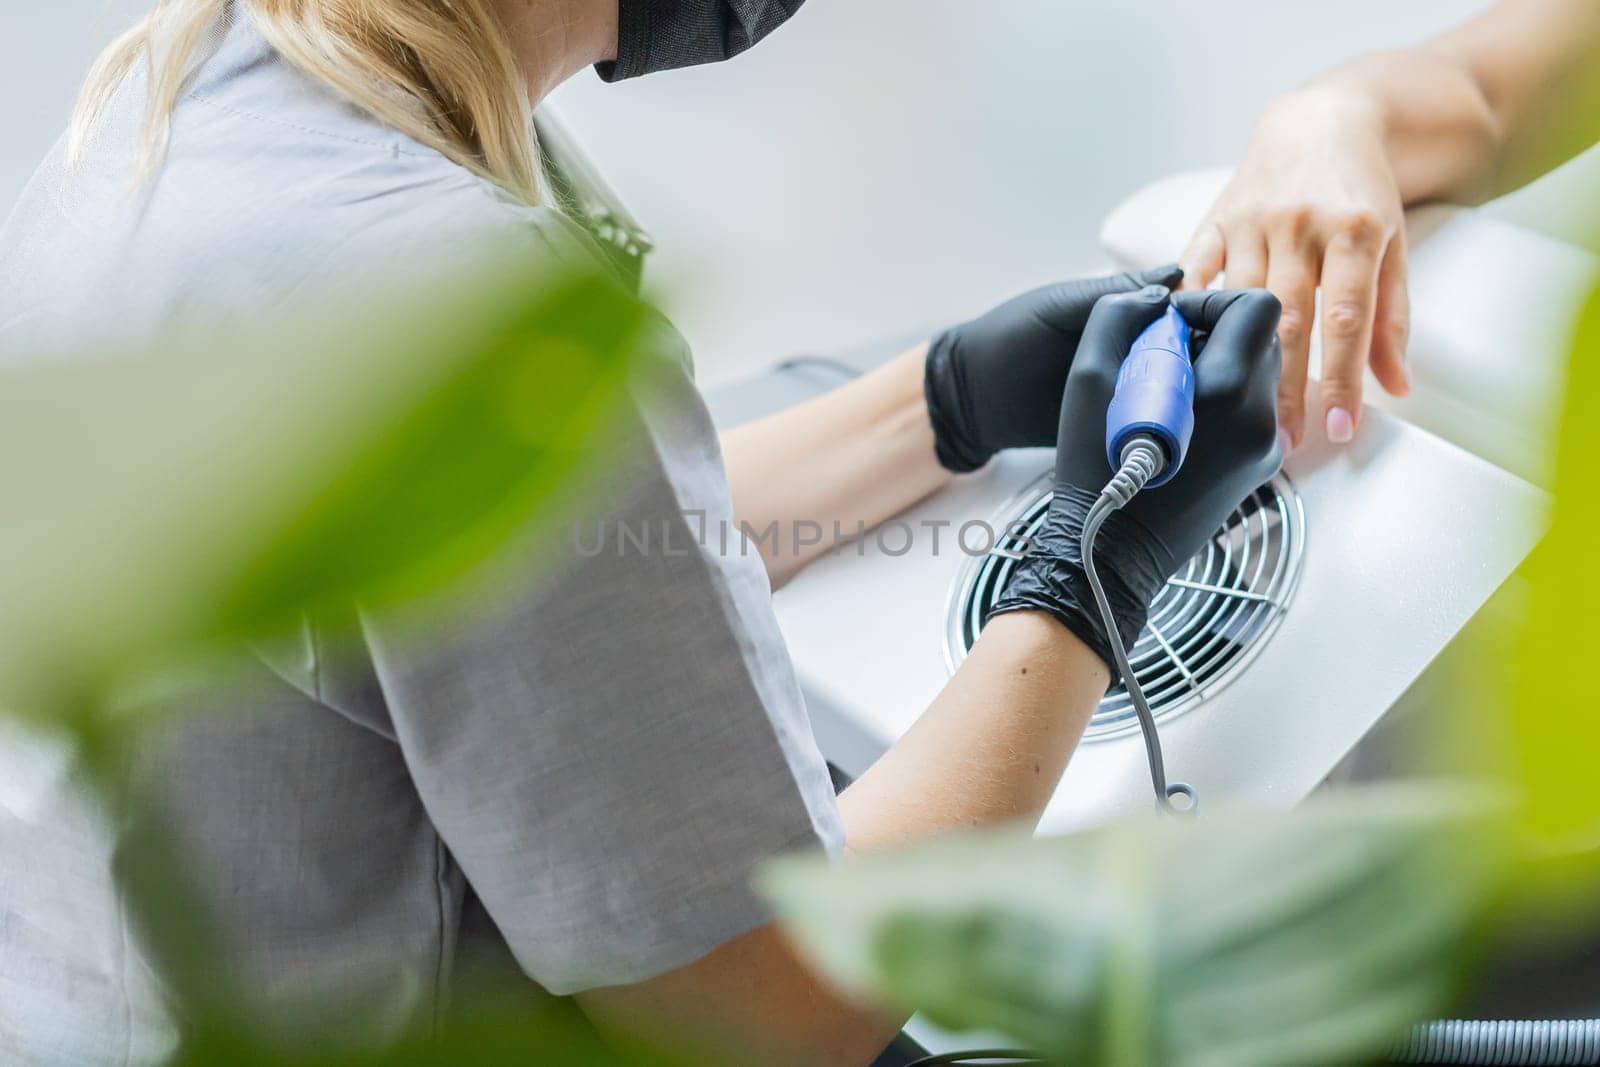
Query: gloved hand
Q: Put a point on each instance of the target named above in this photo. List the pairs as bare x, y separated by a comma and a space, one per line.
996, 382
1234, 449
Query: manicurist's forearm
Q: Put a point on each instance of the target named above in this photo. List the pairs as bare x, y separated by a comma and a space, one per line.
990, 750
843, 462
992, 747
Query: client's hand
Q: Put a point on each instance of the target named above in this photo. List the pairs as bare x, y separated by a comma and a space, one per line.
996, 382
1315, 202
1234, 450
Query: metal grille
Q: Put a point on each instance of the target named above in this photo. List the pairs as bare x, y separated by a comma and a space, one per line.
1206, 624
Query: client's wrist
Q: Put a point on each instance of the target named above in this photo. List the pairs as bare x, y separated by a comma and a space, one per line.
1336, 104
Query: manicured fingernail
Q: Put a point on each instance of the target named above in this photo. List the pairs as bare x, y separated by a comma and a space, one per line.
1285, 442
1405, 372
1341, 427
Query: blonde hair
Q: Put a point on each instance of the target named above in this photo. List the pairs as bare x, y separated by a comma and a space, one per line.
442, 73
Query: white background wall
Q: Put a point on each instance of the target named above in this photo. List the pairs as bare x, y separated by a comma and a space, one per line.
878, 165
46, 47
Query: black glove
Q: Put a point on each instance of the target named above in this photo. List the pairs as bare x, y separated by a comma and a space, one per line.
996, 382
1233, 451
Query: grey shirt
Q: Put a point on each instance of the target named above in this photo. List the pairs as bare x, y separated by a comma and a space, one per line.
600, 757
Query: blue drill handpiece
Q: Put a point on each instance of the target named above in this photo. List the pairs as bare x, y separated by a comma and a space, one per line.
1154, 398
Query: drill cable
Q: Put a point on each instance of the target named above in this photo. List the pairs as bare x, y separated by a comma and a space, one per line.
1142, 460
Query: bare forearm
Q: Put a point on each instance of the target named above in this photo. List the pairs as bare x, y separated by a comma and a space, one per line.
1537, 65
1425, 109
1482, 109
993, 746
991, 749
845, 461
753, 1000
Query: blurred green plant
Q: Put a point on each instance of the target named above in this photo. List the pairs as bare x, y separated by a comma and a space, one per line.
1552, 692
226, 481
168, 503
1245, 938
1308, 937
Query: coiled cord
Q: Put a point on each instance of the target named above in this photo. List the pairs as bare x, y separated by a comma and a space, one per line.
1142, 460
1467, 1042
1546, 1042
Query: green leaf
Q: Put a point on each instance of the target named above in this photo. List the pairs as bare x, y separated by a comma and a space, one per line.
1557, 732
1240, 939
222, 482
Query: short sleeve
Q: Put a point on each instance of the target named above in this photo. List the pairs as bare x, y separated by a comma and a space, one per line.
612, 751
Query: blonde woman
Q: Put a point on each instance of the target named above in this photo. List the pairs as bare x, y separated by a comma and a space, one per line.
594, 771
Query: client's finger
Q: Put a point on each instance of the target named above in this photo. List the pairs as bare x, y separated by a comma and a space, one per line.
1246, 261
1292, 277
1202, 260
1349, 298
1391, 332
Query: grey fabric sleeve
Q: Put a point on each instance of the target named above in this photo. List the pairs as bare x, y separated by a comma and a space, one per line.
611, 753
